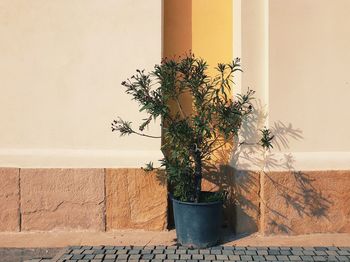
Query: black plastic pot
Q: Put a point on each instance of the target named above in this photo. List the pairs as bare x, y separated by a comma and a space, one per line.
197, 224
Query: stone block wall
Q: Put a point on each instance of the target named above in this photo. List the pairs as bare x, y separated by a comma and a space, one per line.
64, 199
81, 199
285, 203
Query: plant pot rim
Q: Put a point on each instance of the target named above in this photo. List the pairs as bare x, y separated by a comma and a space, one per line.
196, 204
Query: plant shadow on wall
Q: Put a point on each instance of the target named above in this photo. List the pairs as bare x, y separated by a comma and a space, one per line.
294, 190
209, 140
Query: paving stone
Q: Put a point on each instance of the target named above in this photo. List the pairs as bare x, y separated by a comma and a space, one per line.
98, 251
282, 258
109, 256
285, 248
331, 252
134, 252
146, 251
285, 252
309, 252
234, 257
173, 256
271, 258
262, 252
258, 258
221, 257
320, 253
147, 256
158, 251
216, 254
197, 256
160, 256
88, 252
332, 258
229, 248
294, 258
76, 257
111, 251
319, 258
297, 248
209, 257
333, 248
309, 248
342, 258
122, 256
306, 258
320, 248
135, 257
77, 251
88, 257
297, 252
66, 256
185, 256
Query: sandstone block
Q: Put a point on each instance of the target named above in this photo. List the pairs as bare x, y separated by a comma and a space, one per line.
9, 199
246, 190
135, 199
307, 202
241, 209
62, 199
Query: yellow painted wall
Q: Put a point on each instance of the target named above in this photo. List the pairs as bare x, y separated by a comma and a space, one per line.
212, 30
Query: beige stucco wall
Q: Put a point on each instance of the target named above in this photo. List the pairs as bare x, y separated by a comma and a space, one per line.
309, 71
295, 54
61, 66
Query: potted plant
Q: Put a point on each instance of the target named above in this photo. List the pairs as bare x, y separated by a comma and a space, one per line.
190, 138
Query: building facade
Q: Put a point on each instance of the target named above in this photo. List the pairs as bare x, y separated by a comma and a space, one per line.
62, 62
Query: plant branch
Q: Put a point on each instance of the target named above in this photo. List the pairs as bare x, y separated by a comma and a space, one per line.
180, 108
145, 135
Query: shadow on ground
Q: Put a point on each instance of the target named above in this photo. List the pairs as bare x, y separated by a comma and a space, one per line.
22, 254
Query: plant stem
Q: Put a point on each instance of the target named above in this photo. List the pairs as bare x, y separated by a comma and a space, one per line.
180, 108
197, 174
140, 134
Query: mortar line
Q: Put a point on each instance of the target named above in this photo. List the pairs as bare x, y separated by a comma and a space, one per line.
20, 200
105, 200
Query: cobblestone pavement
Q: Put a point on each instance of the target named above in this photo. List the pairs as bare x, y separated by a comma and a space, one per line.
219, 253
22, 254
